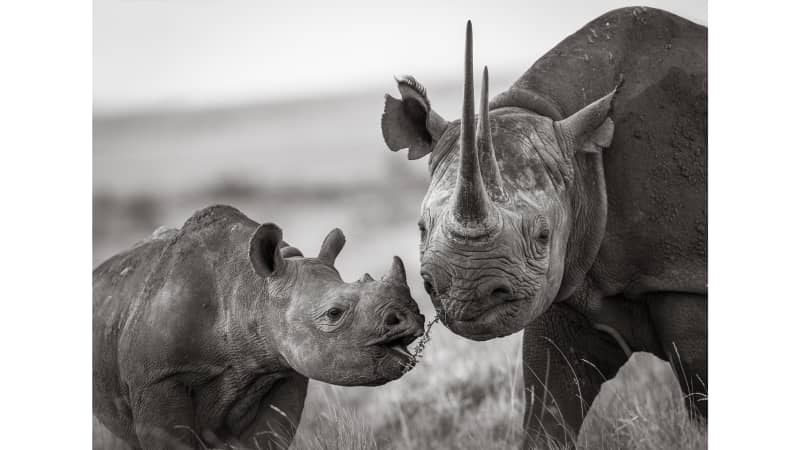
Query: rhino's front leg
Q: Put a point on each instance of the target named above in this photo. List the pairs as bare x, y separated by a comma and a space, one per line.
565, 361
278, 416
163, 417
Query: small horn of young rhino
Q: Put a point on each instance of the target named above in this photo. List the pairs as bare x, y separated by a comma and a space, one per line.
366, 277
397, 273
331, 246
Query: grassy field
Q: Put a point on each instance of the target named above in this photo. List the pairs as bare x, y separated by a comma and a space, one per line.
313, 167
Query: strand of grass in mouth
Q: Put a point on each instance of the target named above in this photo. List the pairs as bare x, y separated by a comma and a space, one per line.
416, 356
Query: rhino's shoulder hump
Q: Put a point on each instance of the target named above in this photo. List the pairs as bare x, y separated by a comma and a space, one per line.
222, 231
163, 233
214, 216
641, 16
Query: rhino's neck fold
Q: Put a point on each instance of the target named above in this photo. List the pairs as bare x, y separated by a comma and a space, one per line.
253, 325
527, 99
589, 208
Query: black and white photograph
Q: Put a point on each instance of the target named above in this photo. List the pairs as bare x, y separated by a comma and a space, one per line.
504, 247
415, 225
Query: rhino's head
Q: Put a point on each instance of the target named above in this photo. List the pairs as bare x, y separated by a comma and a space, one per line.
499, 211
329, 330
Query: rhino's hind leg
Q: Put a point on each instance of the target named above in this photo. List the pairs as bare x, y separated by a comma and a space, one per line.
565, 362
681, 322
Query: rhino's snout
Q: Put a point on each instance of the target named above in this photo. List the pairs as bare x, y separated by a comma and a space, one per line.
494, 292
488, 292
436, 283
397, 321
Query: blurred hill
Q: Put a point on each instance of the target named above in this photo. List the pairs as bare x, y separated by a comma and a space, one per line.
333, 140
309, 164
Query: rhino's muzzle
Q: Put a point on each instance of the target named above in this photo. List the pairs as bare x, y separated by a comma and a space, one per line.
483, 311
465, 299
403, 329
483, 323
496, 294
401, 318
399, 324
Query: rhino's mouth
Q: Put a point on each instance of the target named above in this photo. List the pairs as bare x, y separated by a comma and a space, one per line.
488, 323
398, 344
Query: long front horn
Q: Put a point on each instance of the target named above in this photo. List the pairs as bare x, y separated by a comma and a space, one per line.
471, 204
489, 169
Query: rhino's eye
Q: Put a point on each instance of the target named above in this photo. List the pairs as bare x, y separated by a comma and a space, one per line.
544, 236
542, 230
422, 230
334, 314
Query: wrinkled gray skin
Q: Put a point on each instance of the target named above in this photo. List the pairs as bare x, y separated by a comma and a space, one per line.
574, 209
211, 332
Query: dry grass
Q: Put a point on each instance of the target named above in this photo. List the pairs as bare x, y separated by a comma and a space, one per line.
642, 408
477, 403
458, 397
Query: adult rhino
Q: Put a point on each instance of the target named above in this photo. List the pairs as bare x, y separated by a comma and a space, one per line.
575, 211
206, 336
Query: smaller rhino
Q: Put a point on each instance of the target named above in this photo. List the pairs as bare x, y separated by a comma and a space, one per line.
206, 336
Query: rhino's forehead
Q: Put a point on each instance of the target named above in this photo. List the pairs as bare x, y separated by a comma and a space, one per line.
526, 147
527, 153
314, 268
313, 277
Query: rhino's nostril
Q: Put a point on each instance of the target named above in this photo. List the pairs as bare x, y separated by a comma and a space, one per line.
428, 287
392, 319
501, 291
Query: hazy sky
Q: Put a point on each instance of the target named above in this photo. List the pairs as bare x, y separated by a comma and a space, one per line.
156, 52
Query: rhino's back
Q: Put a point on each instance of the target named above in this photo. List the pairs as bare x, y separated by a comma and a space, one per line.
641, 45
132, 316
116, 284
655, 169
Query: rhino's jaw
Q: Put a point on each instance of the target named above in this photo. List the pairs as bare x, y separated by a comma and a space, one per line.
390, 353
396, 347
492, 322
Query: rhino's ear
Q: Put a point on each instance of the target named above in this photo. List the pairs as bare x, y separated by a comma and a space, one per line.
265, 250
410, 122
331, 246
591, 129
